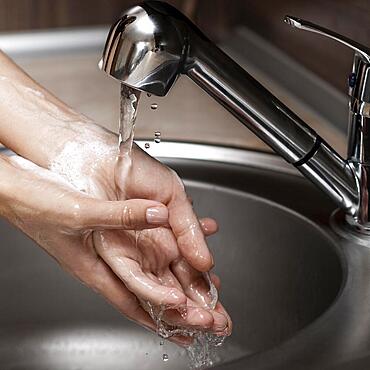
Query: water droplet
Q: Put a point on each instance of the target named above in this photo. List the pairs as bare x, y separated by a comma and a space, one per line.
154, 106
147, 145
157, 138
183, 312
161, 343
165, 357
148, 95
146, 353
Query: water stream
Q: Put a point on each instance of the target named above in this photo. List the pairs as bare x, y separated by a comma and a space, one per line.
202, 352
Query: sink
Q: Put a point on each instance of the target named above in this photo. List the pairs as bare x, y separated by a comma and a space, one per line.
281, 270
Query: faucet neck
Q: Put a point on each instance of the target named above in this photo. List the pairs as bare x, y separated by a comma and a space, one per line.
274, 123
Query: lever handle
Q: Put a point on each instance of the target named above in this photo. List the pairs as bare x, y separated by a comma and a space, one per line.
309, 26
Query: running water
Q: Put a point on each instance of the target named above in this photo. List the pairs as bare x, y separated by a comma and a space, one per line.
202, 352
129, 99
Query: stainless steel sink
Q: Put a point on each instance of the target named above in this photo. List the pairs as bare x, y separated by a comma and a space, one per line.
281, 269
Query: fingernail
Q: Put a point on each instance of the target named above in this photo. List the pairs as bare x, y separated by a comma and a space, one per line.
157, 215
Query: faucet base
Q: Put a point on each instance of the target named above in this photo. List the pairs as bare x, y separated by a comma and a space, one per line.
347, 227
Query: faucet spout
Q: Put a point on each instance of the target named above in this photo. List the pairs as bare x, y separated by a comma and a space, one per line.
153, 43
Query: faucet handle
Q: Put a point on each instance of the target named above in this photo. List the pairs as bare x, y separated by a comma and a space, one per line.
312, 27
359, 79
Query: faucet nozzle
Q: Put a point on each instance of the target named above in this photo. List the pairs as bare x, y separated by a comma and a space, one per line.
145, 48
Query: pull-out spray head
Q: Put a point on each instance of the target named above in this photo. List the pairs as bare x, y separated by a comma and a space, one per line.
146, 47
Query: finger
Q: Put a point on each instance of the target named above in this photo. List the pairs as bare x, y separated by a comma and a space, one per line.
196, 317
102, 280
168, 279
189, 317
197, 288
134, 214
160, 247
221, 310
192, 282
216, 281
189, 234
147, 289
220, 322
131, 274
209, 226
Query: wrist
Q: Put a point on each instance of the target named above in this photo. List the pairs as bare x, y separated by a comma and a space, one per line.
34, 123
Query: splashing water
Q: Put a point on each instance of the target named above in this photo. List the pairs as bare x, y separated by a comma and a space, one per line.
202, 351
165, 357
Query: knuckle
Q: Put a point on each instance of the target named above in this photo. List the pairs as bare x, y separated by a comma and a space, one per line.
188, 230
177, 182
128, 218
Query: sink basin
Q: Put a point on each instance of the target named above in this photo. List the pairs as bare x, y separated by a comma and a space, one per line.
279, 266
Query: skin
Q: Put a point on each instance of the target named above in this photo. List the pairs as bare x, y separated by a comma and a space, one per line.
100, 233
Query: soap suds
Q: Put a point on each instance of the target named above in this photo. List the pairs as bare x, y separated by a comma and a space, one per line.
27, 165
76, 164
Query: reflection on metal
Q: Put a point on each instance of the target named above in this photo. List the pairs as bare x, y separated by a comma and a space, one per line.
152, 61
215, 153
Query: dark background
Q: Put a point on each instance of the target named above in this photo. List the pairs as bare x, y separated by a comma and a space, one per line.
217, 18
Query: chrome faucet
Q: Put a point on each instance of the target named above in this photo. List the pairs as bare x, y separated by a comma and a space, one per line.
153, 43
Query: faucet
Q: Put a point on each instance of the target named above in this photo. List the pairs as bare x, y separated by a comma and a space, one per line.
153, 43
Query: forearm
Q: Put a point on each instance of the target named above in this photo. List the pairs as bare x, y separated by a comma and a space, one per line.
33, 122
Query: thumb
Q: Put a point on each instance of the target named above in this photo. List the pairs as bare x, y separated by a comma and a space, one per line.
133, 214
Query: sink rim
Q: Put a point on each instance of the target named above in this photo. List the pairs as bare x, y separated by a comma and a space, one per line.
218, 153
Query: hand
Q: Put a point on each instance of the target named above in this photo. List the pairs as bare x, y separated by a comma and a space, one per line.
161, 266
60, 219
